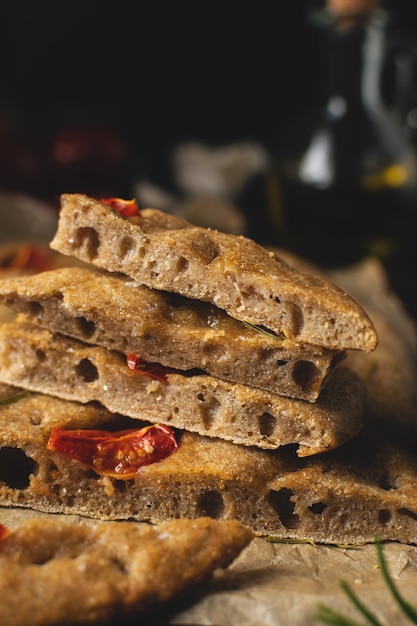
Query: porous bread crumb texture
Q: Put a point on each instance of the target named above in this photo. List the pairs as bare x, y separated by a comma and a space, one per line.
57, 572
232, 272
347, 496
122, 315
51, 363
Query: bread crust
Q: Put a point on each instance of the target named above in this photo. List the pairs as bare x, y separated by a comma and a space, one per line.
232, 272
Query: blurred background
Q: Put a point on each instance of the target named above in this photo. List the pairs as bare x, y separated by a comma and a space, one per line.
165, 101
135, 79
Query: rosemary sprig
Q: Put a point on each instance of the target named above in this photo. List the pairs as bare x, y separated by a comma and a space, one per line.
15, 398
328, 616
262, 330
405, 606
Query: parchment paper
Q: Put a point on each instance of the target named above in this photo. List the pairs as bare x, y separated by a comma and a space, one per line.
282, 584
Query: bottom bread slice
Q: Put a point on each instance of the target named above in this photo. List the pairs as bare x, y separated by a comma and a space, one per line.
365, 489
60, 572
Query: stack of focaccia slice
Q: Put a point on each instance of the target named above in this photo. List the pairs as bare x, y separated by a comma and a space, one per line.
191, 373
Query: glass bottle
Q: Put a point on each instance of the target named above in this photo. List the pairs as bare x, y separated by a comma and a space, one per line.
344, 183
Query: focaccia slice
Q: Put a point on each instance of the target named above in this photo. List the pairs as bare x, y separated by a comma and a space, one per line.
363, 490
60, 572
230, 271
118, 313
37, 359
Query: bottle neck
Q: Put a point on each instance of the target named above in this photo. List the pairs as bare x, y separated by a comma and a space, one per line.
353, 55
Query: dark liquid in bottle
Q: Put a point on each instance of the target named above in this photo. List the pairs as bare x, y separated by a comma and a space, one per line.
341, 225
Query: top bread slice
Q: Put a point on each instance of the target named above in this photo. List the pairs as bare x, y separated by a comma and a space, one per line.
114, 311
232, 272
55, 572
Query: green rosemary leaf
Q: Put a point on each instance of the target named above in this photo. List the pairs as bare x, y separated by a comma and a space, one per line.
15, 398
333, 618
359, 605
405, 606
290, 541
328, 616
262, 331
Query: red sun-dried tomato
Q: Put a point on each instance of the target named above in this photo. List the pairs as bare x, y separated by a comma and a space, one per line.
153, 370
27, 257
117, 454
4, 531
126, 208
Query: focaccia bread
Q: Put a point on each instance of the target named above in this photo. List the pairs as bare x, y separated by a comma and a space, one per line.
232, 272
118, 313
362, 490
37, 359
389, 372
59, 572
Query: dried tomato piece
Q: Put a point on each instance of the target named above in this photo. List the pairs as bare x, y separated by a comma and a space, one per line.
27, 257
4, 531
120, 454
153, 370
126, 208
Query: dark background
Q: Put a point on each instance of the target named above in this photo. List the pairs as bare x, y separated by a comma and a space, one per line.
123, 82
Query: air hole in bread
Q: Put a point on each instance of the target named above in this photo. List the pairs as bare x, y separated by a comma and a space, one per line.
35, 309
16, 468
267, 423
209, 411
44, 552
88, 239
211, 350
126, 246
408, 513
297, 319
121, 485
118, 563
249, 292
277, 300
318, 507
306, 375
87, 370
35, 418
384, 516
85, 326
151, 266
40, 355
284, 507
206, 249
182, 264
211, 504
385, 483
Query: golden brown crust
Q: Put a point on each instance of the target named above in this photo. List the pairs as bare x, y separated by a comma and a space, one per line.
364, 489
58, 572
232, 272
36, 359
122, 315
